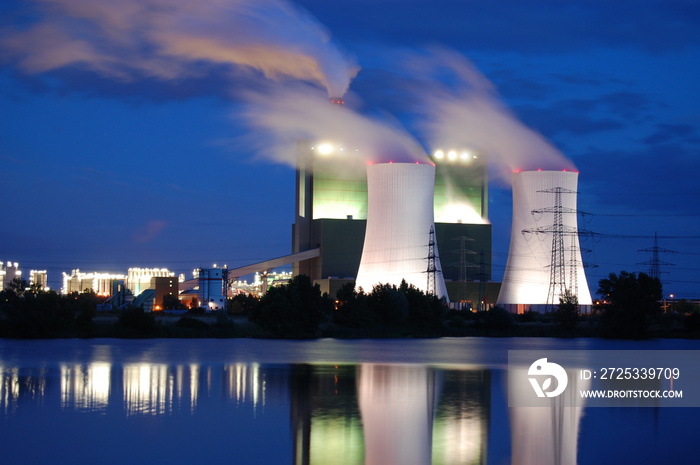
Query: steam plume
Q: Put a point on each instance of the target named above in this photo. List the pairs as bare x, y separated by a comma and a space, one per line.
285, 115
167, 39
460, 108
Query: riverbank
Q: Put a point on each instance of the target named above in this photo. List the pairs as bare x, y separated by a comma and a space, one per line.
220, 325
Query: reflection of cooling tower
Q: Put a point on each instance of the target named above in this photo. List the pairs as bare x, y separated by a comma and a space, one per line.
548, 435
529, 272
397, 404
399, 220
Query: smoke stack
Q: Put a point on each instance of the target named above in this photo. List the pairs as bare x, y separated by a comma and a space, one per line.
337, 100
544, 225
399, 222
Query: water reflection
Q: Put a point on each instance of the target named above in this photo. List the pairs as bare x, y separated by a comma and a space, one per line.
548, 435
397, 406
342, 414
384, 414
85, 386
349, 414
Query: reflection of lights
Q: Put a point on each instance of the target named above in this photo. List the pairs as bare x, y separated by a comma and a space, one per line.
244, 383
146, 389
194, 385
85, 387
9, 388
330, 435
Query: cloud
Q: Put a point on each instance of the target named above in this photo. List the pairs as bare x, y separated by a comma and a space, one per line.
165, 40
568, 117
655, 26
629, 105
667, 133
149, 231
643, 181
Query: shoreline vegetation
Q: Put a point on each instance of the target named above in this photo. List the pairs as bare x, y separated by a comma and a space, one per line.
298, 310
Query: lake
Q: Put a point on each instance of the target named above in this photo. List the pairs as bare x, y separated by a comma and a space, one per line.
328, 401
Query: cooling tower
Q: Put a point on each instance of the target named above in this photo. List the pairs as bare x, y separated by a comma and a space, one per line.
544, 211
399, 222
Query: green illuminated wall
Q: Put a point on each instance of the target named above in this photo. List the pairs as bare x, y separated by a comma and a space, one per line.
338, 198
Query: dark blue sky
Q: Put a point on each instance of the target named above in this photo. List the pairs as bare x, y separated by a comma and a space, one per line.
123, 139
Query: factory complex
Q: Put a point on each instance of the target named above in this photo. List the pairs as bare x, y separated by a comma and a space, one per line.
371, 220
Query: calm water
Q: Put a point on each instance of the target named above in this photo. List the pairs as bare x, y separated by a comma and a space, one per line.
439, 401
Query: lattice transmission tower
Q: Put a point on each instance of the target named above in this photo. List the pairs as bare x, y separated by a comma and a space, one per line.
655, 263
463, 264
432, 265
558, 286
483, 277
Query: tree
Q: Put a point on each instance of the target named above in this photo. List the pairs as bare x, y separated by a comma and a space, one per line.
242, 303
352, 310
18, 287
631, 300
171, 302
138, 322
294, 310
567, 311
389, 306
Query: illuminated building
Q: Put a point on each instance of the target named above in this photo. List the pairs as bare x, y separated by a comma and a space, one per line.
331, 215
164, 286
139, 279
103, 284
210, 288
8, 272
39, 279
538, 269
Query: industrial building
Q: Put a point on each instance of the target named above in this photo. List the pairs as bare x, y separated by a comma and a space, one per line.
102, 284
331, 215
8, 272
140, 279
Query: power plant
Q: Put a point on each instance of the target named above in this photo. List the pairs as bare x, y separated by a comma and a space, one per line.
544, 260
427, 224
333, 207
363, 219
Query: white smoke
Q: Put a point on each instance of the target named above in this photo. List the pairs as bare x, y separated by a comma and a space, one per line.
458, 107
281, 116
167, 39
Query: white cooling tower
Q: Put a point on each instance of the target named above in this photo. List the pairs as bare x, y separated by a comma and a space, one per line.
544, 206
399, 221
